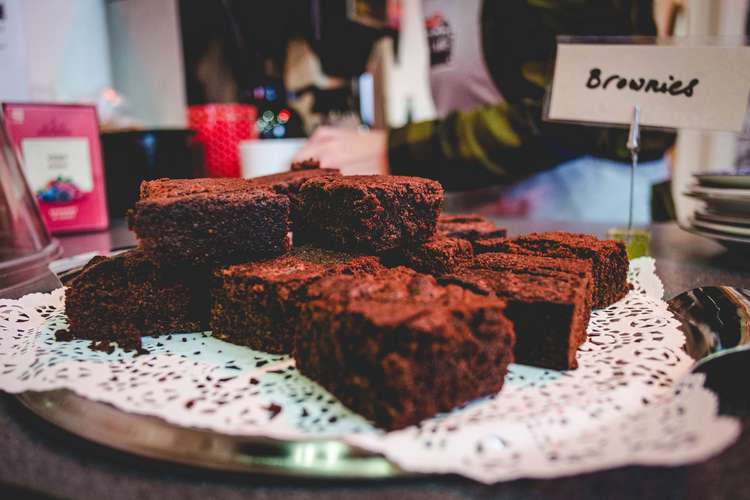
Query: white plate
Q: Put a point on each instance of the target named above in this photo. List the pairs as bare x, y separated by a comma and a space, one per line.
722, 228
723, 193
724, 239
725, 205
724, 181
723, 218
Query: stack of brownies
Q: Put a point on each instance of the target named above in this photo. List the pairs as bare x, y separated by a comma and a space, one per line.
397, 310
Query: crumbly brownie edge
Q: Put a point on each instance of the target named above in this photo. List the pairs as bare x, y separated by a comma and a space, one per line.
250, 321
369, 218
339, 346
140, 300
259, 309
609, 264
200, 230
608, 259
437, 256
549, 329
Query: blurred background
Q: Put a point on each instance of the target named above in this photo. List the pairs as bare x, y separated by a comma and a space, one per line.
237, 88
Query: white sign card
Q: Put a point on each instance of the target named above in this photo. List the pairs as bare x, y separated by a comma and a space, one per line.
47, 159
676, 86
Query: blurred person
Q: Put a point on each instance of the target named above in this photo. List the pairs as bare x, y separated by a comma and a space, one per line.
490, 62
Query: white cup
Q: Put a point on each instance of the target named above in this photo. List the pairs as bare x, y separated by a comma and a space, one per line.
267, 156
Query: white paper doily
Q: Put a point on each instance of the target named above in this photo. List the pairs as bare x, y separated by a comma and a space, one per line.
631, 401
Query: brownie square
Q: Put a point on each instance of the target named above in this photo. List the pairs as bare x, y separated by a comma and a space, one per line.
436, 256
288, 184
608, 258
125, 297
370, 214
173, 188
397, 347
256, 304
549, 303
209, 221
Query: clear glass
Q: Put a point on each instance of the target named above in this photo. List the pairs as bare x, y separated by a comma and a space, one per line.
26, 247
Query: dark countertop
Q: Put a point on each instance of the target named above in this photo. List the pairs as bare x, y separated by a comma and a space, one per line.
39, 460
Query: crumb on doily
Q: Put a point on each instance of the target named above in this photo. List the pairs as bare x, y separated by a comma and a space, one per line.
63, 335
273, 409
109, 347
102, 345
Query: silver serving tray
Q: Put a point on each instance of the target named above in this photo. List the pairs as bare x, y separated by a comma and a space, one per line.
157, 439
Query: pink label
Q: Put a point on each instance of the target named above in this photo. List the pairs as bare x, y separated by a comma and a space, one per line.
62, 161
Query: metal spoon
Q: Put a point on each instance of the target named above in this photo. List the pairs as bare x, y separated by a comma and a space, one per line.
716, 324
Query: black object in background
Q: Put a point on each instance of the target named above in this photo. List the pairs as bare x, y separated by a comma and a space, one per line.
134, 156
343, 45
251, 38
662, 203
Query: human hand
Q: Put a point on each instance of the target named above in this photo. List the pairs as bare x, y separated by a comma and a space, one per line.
354, 152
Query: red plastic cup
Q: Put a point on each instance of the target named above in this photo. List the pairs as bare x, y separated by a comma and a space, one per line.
220, 128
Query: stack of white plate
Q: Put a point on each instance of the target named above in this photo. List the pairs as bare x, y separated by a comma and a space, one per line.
725, 216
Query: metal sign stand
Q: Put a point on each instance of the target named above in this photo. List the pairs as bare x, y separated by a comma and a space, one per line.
637, 241
634, 139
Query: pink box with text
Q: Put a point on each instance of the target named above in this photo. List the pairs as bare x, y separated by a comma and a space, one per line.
62, 161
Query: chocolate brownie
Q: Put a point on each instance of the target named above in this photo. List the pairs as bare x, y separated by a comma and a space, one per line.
255, 304
470, 227
288, 184
172, 188
535, 264
370, 213
438, 255
308, 164
122, 298
486, 245
209, 221
608, 258
397, 347
549, 302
